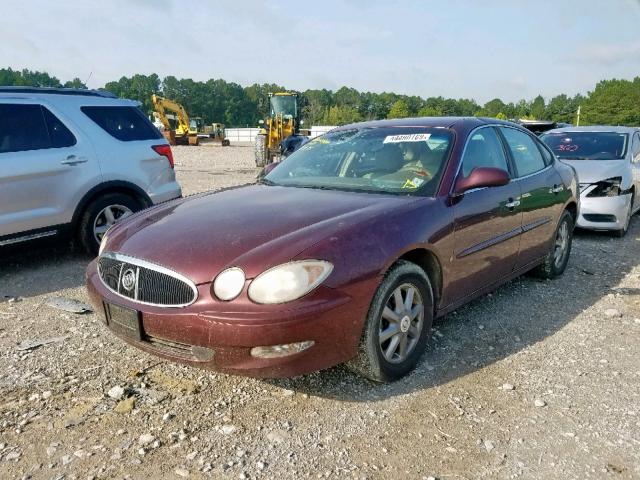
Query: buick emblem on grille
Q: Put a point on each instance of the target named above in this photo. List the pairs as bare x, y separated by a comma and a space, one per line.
144, 282
128, 280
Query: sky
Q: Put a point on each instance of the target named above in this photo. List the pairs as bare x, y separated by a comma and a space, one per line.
510, 49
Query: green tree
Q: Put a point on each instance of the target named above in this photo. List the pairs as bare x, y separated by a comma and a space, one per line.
613, 102
399, 109
501, 116
537, 110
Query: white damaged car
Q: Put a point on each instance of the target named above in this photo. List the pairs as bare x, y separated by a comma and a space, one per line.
607, 160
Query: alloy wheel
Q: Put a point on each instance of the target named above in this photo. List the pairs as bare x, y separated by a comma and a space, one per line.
107, 217
401, 323
561, 244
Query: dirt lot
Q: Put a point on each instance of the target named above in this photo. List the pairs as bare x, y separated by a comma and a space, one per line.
540, 380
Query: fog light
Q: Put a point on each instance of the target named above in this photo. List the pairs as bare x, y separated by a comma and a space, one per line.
275, 351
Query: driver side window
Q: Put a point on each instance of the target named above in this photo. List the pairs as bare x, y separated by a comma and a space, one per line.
484, 149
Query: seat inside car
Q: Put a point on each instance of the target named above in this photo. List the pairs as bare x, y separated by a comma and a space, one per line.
388, 159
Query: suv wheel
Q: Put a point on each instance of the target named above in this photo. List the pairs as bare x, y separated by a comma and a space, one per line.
397, 325
101, 214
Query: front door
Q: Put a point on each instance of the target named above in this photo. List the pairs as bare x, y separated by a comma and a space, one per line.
42, 163
487, 221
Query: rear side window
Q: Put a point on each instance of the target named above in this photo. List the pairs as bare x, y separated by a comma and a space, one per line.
59, 134
526, 154
123, 123
22, 127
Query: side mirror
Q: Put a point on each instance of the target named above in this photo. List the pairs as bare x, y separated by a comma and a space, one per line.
481, 177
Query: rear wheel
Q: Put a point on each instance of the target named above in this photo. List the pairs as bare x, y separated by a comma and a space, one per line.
397, 325
261, 150
102, 214
556, 260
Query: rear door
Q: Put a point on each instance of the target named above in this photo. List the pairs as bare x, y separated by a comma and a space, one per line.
43, 161
543, 193
487, 220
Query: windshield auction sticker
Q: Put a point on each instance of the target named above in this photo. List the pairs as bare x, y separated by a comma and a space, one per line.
413, 137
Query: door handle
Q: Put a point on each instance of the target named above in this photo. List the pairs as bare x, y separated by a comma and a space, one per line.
511, 204
556, 189
73, 160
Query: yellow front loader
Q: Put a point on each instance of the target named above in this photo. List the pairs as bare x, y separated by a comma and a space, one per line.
283, 121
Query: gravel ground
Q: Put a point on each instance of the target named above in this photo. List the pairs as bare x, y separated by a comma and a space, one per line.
537, 380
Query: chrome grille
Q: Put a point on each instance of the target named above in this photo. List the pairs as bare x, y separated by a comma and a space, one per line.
145, 282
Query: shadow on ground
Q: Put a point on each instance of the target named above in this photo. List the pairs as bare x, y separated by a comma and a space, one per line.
31, 270
519, 314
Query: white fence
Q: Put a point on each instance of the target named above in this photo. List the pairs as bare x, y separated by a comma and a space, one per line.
241, 134
249, 134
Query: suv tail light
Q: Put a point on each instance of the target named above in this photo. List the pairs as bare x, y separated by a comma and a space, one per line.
165, 151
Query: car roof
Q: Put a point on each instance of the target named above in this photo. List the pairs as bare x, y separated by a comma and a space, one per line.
65, 96
56, 91
437, 122
594, 128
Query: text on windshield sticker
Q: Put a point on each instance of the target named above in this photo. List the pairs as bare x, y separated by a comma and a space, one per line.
412, 137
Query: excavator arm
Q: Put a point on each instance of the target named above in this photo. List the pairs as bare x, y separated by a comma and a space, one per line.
161, 105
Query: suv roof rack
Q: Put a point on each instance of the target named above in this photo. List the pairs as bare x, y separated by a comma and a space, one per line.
58, 91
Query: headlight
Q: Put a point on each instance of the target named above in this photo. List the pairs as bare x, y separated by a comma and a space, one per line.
289, 281
229, 283
606, 188
103, 243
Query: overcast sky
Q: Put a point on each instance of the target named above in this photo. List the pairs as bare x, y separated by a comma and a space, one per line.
476, 49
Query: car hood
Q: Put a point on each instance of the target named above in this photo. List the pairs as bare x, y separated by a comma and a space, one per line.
591, 171
254, 227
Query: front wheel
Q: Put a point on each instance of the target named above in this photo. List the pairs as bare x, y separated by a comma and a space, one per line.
397, 325
556, 260
622, 232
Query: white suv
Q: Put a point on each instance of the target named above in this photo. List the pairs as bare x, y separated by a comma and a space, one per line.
74, 162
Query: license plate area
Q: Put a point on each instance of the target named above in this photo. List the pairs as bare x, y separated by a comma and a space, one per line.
124, 321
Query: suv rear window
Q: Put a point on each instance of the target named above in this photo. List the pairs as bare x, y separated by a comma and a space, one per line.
123, 123
26, 127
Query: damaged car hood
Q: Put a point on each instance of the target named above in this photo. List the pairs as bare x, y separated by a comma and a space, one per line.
592, 171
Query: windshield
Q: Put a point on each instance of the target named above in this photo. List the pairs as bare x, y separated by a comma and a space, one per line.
382, 160
285, 105
587, 145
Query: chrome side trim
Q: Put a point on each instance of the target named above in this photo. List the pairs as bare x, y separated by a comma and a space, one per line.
26, 238
490, 242
150, 266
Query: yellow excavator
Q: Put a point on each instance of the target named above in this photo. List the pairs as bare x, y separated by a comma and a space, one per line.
283, 122
185, 132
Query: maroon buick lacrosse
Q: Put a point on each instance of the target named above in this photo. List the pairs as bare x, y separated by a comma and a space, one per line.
343, 253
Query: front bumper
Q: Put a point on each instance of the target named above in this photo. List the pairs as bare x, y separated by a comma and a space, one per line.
206, 334
603, 213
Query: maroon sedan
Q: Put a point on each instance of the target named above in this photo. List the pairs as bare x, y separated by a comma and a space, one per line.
345, 252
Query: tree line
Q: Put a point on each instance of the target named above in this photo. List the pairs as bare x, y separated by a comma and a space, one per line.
612, 102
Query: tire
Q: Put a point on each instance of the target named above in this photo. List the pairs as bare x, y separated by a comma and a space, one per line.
261, 150
370, 360
621, 233
556, 260
94, 216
